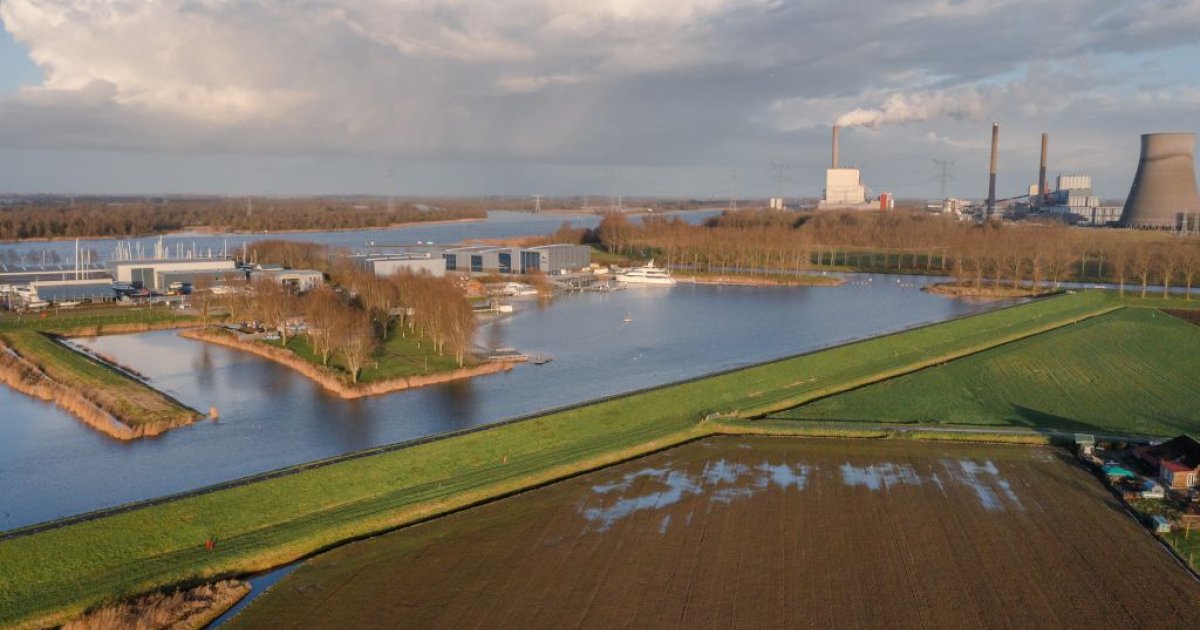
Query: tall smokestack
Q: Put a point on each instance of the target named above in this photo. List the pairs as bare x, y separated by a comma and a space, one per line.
991, 200
1042, 171
836, 142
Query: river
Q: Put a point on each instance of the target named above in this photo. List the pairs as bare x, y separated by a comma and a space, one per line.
499, 225
53, 466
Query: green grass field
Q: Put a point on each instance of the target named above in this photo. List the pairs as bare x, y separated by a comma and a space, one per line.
52, 576
398, 357
1135, 370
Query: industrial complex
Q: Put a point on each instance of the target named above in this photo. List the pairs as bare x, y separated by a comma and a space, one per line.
131, 275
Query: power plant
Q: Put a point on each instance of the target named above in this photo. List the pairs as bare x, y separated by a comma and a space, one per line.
1163, 195
843, 188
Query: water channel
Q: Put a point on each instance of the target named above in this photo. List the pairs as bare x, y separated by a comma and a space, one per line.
53, 466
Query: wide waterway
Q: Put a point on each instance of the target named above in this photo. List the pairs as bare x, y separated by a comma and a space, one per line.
52, 466
499, 225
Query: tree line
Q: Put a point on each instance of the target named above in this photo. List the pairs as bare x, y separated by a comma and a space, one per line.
357, 312
40, 219
979, 255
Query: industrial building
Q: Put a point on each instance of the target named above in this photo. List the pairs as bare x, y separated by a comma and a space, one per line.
298, 279
844, 189
383, 265
1163, 194
157, 274
550, 259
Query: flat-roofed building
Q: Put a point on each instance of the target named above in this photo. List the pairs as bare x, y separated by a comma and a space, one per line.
298, 279
384, 265
157, 274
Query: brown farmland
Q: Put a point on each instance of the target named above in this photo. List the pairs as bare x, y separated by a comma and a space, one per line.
765, 533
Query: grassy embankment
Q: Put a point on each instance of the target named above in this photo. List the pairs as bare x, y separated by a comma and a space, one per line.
1129, 371
55, 575
398, 357
34, 362
398, 364
758, 279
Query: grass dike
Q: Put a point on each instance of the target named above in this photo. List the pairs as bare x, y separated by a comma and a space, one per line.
332, 381
58, 573
101, 396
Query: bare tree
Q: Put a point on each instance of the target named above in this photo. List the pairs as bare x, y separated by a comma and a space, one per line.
323, 308
356, 342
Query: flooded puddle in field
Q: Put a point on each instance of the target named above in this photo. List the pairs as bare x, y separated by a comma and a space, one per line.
759, 533
721, 481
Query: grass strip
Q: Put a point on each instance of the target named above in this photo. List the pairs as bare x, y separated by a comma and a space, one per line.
1129, 371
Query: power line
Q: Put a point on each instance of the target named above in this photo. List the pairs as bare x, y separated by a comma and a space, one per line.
946, 175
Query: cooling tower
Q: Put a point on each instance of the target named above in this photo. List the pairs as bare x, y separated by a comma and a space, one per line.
1165, 184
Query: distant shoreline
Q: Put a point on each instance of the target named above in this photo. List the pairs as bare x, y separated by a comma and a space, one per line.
211, 231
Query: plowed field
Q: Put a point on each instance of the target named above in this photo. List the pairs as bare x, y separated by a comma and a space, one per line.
765, 533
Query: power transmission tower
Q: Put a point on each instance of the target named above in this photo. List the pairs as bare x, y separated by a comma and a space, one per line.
391, 190
945, 176
537, 204
733, 190
780, 172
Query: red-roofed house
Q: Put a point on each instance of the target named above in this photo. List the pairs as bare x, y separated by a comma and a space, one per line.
1177, 461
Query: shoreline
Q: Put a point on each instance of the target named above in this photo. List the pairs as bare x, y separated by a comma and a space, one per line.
752, 281
986, 292
23, 374
208, 231
334, 384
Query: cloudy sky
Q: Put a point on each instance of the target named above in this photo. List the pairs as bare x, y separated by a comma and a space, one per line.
588, 97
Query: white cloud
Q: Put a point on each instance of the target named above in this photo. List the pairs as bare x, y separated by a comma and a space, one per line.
704, 83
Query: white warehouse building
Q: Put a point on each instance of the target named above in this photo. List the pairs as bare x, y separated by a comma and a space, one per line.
157, 273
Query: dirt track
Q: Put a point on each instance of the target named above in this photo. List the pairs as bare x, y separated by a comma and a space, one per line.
766, 532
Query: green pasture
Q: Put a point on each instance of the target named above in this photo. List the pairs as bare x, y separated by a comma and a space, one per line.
1135, 370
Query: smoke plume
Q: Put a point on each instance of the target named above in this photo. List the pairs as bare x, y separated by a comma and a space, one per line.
902, 108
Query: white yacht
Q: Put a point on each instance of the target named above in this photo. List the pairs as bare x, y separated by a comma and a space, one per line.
646, 275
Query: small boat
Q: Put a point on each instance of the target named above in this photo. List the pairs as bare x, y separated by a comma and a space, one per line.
540, 359
627, 319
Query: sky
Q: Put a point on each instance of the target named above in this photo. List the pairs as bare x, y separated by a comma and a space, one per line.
688, 98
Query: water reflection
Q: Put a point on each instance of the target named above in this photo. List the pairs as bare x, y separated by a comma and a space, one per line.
722, 482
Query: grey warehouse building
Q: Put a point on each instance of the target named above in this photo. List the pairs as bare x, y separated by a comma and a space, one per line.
383, 265
550, 259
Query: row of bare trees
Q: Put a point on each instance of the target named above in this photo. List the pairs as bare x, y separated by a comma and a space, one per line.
1024, 255
358, 312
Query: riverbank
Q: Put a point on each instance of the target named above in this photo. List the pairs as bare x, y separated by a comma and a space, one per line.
334, 382
759, 280
190, 609
985, 292
100, 396
215, 231
107, 398
280, 519
206, 230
